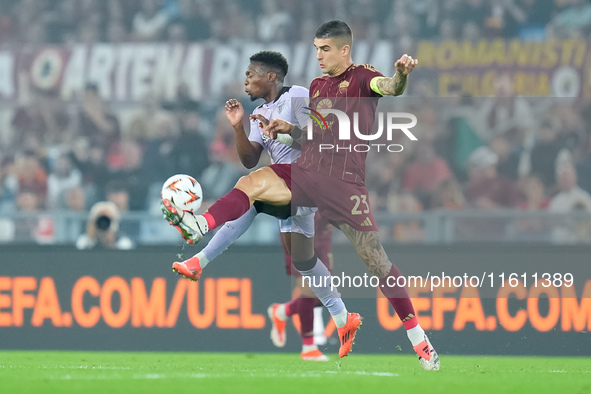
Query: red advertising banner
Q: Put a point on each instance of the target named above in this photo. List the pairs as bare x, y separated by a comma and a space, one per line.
127, 72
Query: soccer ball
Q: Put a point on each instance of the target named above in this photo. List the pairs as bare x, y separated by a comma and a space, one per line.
184, 192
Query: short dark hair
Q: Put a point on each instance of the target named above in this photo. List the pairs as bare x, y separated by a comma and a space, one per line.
274, 61
335, 29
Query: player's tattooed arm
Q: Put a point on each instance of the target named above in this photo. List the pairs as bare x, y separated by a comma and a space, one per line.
396, 85
369, 248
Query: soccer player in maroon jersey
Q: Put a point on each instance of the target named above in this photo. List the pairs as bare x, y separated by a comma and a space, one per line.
332, 180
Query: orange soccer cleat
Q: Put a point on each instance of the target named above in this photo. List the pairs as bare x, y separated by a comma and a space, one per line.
277, 326
190, 269
347, 333
428, 357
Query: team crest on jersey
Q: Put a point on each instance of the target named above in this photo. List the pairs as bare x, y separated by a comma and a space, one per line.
343, 86
324, 104
316, 94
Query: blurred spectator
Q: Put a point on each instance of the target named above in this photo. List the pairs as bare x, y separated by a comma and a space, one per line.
149, 22
535, 195
504, 18
448, 196
274, 23
75, 199
384, 179
91, 162
544, 154
190, 151
509, 158
63, 178
487, 189
505, 115
68, 228
44, 118
236, 26
127, 174
221, 175
8, 185
409, 230
471, 32
571, 197
118, 194
102, 229
31, 177
95, 121
151, 121
425, 174
27, 202
191, 17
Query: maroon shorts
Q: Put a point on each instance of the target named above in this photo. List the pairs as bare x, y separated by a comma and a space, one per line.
338, 201
283, 171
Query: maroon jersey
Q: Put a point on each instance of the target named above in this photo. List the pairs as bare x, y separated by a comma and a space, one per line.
349, 92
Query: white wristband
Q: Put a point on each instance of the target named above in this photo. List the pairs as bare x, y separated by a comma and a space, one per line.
285, 139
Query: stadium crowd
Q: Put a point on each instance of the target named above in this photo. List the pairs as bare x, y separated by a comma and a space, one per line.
475, 153
87, 21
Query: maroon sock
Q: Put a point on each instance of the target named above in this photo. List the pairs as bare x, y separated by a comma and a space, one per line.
398, 297
230, 207
307, 319
304, 307
292, 307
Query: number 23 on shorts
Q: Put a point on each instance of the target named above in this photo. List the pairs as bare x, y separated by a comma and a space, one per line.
359, 200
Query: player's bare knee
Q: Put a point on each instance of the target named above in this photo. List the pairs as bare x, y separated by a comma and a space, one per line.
250, 185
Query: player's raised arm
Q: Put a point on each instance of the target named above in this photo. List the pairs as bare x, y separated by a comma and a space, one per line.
249, 151
396, 85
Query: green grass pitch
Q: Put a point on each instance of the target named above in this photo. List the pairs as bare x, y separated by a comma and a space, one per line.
215, 373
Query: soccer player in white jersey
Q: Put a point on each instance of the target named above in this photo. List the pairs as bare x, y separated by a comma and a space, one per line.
264, 79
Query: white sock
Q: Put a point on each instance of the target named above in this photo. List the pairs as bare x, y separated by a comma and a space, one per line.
318, 279
280, 312
308, 348
340, 319
416, 335
203, 260
227, 234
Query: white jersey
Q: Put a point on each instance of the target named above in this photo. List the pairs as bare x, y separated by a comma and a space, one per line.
280, 108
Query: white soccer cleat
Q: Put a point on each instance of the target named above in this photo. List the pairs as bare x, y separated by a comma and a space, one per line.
191, 227
428, 357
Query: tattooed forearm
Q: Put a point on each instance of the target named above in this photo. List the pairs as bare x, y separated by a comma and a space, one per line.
394, 86
369, 248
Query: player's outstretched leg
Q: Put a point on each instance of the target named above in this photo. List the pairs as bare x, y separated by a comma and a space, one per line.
369, 248
262, 185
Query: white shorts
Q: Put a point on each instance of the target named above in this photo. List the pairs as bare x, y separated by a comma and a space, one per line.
301, 223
